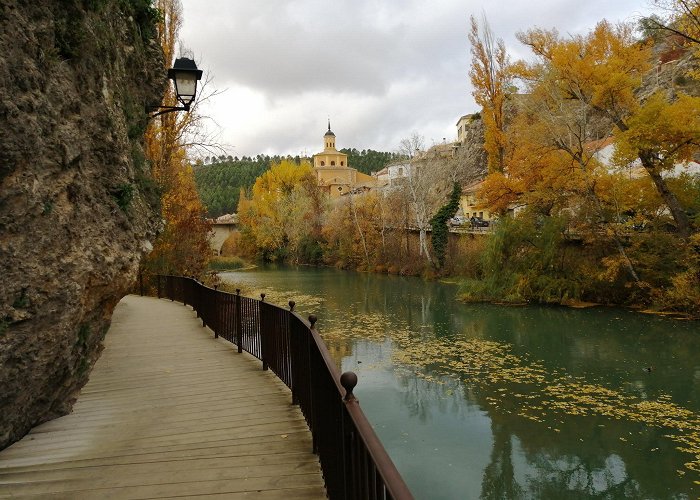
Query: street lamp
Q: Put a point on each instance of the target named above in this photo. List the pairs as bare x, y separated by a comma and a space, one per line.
185, 75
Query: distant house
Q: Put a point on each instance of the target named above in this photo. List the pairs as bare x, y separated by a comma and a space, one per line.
462, 124
469, 202
397, 172
382, 177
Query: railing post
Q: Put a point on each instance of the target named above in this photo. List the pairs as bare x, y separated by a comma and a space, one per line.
295, 397
263, 333
196, 297
159, 294
348, 380
217, 312
141, 283
313, 411
239, 321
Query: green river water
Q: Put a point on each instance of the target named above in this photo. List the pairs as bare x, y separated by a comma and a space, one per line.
484, 401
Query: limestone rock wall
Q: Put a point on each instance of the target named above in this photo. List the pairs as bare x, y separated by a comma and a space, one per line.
77, 206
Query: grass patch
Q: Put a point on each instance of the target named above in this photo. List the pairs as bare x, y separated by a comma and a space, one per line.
123, 194
226, 263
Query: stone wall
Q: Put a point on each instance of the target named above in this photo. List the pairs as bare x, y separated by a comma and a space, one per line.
77, 206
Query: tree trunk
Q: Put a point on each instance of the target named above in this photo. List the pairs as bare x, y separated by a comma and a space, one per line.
359, 230
424, 245
616, 237
677, 212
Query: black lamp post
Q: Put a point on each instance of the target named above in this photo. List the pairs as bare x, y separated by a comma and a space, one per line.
185, 75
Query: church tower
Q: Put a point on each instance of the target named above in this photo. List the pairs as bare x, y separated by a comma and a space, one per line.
331, 158
332, 171
329, 139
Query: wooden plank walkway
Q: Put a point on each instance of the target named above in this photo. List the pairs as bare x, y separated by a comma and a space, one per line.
168, 413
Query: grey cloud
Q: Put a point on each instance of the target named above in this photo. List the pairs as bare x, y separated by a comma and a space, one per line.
397, 65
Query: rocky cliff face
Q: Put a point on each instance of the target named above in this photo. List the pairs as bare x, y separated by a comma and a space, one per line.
77, 206
471, 151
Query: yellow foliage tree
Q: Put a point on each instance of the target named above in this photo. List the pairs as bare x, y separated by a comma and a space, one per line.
183, 246
491, 76
282, 219
603, 71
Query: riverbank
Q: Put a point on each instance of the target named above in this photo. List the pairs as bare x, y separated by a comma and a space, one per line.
466, 297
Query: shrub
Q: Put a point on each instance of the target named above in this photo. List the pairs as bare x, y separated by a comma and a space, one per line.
226, 263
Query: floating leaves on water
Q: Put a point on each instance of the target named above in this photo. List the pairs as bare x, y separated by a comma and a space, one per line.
282, 297
548, 392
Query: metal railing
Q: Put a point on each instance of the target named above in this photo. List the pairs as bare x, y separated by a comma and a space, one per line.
354, 462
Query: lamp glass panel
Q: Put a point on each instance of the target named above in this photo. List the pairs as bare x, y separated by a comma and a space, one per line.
185, 86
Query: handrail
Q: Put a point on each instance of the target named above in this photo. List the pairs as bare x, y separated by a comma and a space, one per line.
354, 462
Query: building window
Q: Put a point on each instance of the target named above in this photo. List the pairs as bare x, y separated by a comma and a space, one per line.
400, 170
332, 164
342, 163
323, 163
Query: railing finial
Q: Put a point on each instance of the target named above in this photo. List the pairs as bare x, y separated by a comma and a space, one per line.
238, 291
348, 380
262, 297
312, 320
291, 305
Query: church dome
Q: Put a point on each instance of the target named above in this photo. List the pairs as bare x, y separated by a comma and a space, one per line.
329, 130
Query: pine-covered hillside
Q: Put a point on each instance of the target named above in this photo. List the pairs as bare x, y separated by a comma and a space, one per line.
219, 182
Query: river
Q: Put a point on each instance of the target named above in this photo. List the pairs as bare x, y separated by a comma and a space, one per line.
484, 401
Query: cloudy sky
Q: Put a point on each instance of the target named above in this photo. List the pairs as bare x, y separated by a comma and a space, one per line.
380, 69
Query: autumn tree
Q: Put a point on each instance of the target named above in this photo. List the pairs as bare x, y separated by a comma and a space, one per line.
282, 219
182, 247
566, 134
603, 70
491, 77
353, 232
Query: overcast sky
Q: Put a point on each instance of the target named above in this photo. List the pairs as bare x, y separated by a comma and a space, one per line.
380, 69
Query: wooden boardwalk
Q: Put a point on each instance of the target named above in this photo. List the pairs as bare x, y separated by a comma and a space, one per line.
168, 413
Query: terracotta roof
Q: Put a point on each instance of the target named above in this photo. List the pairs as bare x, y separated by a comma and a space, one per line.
599, 144
474, 186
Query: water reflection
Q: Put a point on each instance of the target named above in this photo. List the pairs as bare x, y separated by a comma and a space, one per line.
455, 433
